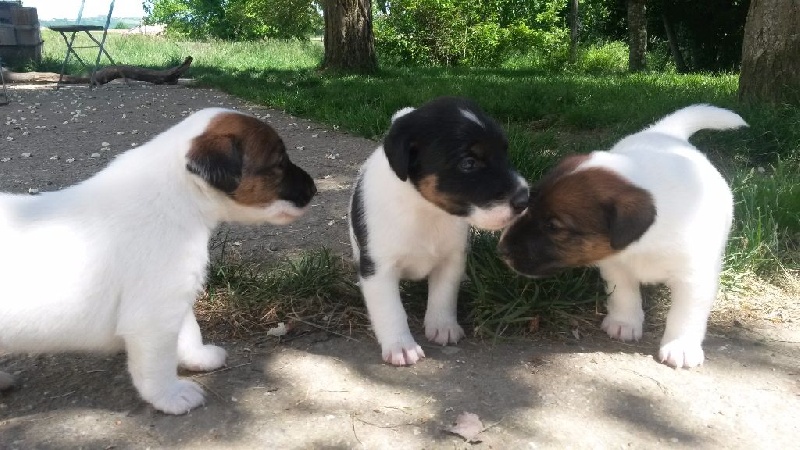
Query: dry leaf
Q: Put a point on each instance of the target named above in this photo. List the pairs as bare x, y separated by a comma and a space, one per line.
468, 425
280, 330
533, 324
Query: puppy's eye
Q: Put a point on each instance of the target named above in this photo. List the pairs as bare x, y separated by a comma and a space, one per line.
553, 225
469, 164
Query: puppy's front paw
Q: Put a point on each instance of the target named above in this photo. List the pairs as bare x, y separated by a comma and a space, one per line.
622, 327
179, 398
403, 352
681, 353
201, 359
443, 332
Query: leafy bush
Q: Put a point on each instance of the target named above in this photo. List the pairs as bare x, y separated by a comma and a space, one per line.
239, 20
603, 59
458, 32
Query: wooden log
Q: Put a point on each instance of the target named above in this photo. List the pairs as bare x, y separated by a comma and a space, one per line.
104, 75
166, 76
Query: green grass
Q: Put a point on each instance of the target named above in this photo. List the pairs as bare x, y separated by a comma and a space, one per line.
547, 115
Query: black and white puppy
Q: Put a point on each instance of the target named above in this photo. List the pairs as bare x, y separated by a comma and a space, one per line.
442, 167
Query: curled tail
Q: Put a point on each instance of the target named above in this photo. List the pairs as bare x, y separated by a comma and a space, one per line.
687, 121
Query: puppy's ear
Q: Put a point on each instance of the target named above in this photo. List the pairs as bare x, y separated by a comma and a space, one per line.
398, 144
630, 215
216, 159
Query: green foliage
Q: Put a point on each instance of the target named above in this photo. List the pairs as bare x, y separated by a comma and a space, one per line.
767, 221
502, 302
238, 20
608, 58
459, 32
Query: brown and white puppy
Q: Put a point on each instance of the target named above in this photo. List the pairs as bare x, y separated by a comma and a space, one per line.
653, 209
121, 256
442, 167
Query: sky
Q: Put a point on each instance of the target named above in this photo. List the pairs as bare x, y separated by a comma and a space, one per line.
68, 9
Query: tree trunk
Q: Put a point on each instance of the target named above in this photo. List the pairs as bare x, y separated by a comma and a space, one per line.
637, 35
349, 43
573, 32
680, 64
771, 52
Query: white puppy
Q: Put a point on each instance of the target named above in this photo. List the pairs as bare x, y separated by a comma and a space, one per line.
442, 168
653, 209
115, 262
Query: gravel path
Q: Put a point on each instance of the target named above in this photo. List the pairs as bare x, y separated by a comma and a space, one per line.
323, 391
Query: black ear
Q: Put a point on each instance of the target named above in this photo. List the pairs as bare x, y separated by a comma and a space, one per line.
217, 160
630, 215
397, 145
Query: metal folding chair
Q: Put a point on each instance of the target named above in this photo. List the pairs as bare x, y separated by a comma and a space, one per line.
4, 98
73, 30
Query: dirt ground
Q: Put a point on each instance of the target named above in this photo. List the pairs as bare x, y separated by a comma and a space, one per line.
326, 391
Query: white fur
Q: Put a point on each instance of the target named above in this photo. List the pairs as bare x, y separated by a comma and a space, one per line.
685, 246
471, 116
116, 262
409, 238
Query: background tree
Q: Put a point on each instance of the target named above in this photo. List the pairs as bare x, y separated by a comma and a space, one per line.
637, 35
771, 52
574, 26
237, 20
349, 42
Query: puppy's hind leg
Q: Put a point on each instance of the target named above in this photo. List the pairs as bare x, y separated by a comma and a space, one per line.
382, 296
441, 323
625, 315
192, 354
153, 365
681, 345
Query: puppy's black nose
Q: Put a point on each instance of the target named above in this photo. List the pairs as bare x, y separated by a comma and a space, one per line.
520, 200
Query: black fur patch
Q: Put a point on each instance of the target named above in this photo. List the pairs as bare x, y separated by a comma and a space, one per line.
366, 266
217, 160
454, 140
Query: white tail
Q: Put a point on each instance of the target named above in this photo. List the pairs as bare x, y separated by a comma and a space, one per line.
691, 119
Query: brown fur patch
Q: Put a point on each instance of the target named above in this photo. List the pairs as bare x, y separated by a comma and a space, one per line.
429, 188
601, 213
258, 148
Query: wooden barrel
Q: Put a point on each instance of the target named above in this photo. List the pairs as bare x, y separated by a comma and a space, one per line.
26, 44
22, 16
7, 35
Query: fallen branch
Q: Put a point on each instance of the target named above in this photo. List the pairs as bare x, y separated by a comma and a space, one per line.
104, 75
167, 76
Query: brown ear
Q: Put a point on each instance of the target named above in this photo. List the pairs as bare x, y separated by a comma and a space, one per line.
216, 159
630, 214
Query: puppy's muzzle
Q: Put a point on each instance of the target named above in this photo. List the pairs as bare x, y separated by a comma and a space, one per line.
519, 201
298, 186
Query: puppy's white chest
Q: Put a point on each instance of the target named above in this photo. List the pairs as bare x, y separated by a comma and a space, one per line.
422, 252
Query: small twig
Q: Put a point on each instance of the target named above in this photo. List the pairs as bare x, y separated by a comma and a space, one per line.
217, 394
223, 369
494, 424
394, 407
61, 396
353, 425
96, 371
350, 338
663, 388
386, 426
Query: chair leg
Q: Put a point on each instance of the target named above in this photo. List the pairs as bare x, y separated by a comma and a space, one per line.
66, 57
5, 99
100, 52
